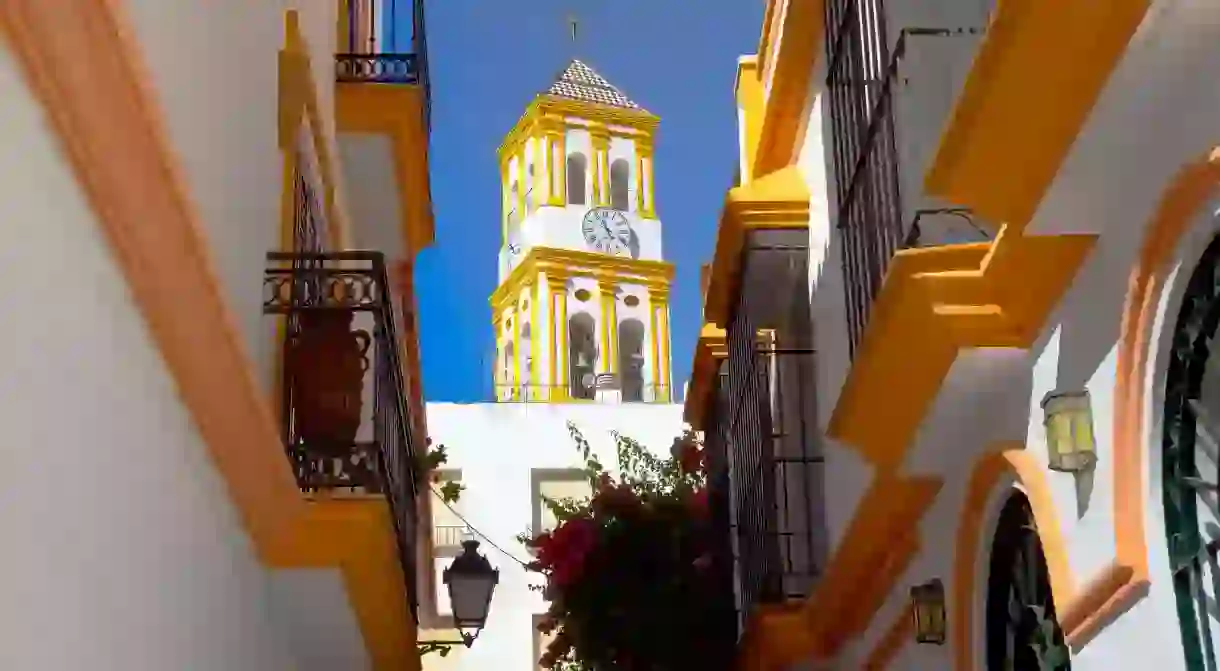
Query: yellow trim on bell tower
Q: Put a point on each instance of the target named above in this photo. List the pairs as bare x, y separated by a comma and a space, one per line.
605, 286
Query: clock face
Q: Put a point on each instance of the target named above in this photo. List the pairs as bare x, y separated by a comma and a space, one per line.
607, 230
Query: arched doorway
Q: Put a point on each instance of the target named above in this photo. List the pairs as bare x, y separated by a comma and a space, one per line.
1022, 629
1189, 462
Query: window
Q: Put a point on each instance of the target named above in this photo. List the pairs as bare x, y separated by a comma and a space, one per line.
631, 359
582, 355
577, 166
448, 529
554, 483
620, 177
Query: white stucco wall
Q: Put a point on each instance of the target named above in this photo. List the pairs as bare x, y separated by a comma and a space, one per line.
495, 446
1107, 187
214, 70
121, 549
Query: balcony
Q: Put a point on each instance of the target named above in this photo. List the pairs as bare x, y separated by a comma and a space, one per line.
383, 111
884, 126
347, 427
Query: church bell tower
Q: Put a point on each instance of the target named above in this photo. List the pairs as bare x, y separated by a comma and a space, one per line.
581, 312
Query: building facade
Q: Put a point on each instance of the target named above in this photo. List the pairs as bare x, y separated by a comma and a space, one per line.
1009, 214
581, 320
189, 181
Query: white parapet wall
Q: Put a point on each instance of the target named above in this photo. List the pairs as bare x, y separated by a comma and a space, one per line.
501, 451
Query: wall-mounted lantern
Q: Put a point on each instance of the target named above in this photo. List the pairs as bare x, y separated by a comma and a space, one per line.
928, 611
471, 581
1068, 418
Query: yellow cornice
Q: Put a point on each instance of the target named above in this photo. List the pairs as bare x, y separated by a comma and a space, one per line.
750, 103
787, 74
566, 263
778, 200
545, 114
710, 350
1010, 112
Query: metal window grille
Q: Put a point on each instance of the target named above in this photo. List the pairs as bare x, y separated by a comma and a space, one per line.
764, 423
860, 82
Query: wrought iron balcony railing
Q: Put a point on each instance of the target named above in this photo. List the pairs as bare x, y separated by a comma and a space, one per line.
344, 406
380, 51
377, 68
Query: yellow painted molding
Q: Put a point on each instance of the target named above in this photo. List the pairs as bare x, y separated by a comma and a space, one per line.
397, 111
357, 535
536, 292
771, 10
777, 200
875, 551
774, 639
559, 112
977, 298
298, 103
752, 106
785, 116
1035, 79
710, 350
567, 263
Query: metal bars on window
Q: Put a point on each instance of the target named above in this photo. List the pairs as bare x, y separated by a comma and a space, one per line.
764, 422
859, 92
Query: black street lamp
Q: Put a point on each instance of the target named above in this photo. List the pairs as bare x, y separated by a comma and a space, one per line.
471, 581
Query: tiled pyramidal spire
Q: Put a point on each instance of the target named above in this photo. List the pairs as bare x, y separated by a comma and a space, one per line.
580, 82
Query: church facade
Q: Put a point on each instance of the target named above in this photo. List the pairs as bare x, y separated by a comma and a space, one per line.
581, 319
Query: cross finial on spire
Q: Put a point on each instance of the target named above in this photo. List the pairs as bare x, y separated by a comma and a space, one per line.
573, 24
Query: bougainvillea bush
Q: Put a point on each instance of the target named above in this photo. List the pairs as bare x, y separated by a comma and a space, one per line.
628, 572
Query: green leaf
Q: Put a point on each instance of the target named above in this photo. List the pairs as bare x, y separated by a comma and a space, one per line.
451, 491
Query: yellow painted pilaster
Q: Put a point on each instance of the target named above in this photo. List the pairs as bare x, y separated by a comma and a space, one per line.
655, 341
557, 306
561, 167
506, 199
610, 315
600, 139
515, 341
535, 292
521, 181
539, 181
662, 300
603, 360
644, 189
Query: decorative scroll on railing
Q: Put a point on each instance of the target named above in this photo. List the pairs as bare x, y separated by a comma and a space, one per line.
344, 410
377, 68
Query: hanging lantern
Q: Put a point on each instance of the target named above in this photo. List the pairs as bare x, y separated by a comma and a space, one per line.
1068, 418
928, 610
471, 581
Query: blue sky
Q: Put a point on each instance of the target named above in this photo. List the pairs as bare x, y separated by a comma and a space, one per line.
488, 58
